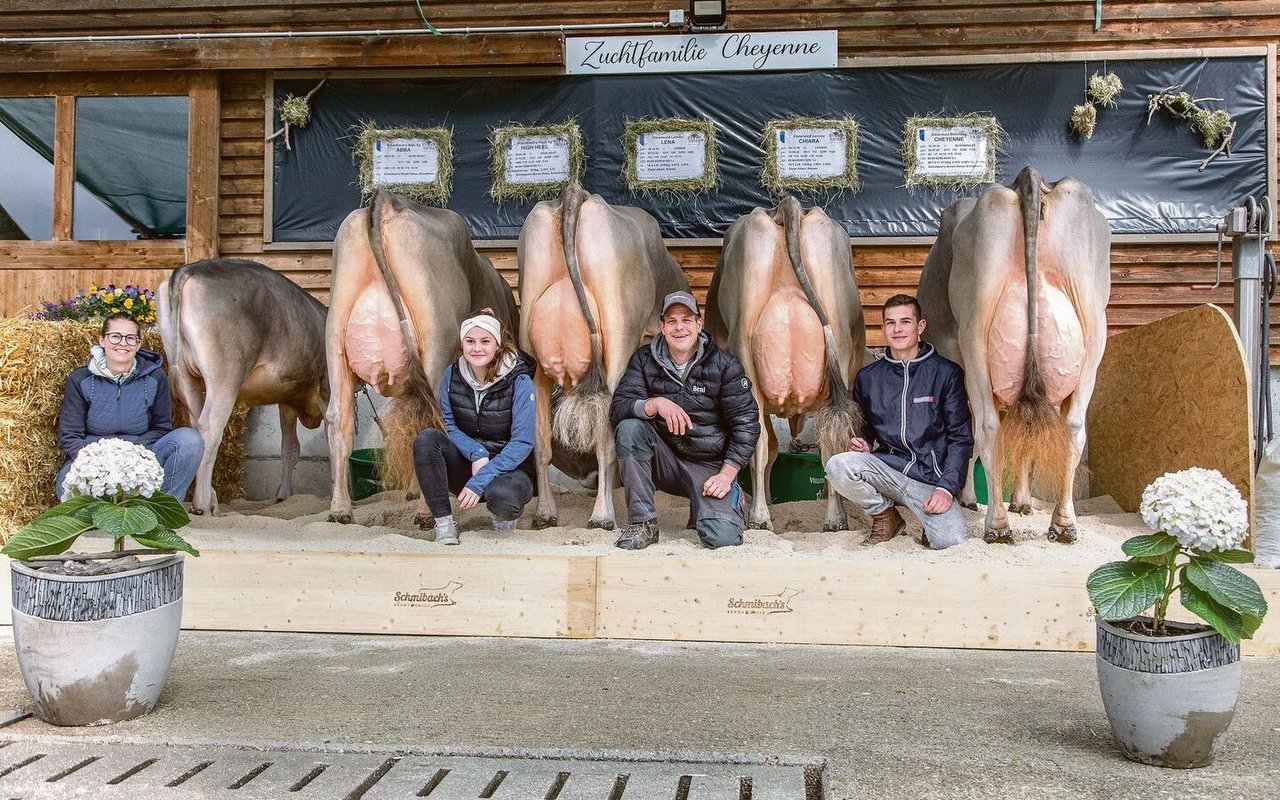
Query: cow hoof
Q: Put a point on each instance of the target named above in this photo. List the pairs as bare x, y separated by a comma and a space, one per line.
998, 537
760, 525
971, 506
341, 519
603, 524
1020, 508
425, 522
280, 499
1062, 534
541, 521
199, 512
832, 527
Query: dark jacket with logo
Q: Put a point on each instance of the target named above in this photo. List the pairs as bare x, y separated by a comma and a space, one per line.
715, 392
498, 425
138, 410
917, 417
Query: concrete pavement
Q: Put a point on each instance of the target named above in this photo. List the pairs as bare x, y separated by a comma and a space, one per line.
888, 723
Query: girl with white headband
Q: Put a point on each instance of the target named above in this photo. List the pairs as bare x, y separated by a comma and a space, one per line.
486, 450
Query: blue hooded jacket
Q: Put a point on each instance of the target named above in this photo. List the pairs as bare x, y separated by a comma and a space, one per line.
138, 409
917, 417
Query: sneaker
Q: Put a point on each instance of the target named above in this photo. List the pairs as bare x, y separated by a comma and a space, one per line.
447, 533
639, 535
886, 525
502, 525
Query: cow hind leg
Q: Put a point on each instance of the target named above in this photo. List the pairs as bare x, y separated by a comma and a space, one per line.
836, 519
996, 527
1062, 528
211, 425
1021, 502
289, 450
544, 515
606, 462
758, 517
340, 428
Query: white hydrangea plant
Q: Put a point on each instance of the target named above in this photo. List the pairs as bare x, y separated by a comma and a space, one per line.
110, 467
113, 486
1200, 517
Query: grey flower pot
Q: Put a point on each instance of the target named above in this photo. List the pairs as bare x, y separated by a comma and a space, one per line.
96, 649
1169, 698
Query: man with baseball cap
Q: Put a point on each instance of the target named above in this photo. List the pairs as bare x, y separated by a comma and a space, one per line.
685, 422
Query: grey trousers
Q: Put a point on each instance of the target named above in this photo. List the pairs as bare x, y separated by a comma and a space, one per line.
870, 483
647, 463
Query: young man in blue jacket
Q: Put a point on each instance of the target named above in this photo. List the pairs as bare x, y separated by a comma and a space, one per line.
917, 439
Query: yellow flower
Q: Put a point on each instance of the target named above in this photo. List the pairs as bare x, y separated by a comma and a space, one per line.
119, 292
128, 302
93, 287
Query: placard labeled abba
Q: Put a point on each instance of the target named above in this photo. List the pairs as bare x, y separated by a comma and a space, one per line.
721, 52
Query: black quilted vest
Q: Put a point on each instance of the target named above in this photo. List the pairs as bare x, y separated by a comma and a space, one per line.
491, 424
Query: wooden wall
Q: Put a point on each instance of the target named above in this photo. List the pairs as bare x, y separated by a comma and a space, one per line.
1150, 281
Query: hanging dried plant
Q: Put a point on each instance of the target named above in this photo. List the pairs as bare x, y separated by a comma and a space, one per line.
1083, 119
295, 112
1104, 88
1215, 126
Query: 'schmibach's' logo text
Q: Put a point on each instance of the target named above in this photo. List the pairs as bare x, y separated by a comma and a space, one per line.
779, 603
428, 598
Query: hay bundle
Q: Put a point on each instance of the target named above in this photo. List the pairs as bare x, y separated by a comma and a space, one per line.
988, 128
437, 191
777, 184
1104, 88
501, 189
35, 358
633, 129
1083, 119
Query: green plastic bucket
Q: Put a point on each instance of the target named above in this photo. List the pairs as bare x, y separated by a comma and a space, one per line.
795, 476
980, 483
364, 473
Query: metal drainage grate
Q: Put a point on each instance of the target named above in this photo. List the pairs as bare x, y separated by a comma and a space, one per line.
33, 770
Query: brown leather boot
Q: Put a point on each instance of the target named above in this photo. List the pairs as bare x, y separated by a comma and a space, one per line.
886, 525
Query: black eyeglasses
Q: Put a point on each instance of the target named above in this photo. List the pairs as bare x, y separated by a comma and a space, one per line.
130, 339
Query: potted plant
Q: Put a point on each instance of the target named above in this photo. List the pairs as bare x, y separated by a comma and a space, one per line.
95, 632
1170, 687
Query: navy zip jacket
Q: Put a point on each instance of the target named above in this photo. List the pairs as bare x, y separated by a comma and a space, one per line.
917, 417
140, 410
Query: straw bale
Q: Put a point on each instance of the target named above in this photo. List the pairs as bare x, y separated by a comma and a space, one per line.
35, 358
436, 192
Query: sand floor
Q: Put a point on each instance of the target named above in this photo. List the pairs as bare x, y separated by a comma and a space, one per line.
384, 523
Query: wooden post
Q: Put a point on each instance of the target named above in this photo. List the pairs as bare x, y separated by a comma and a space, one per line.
204, 122
64, 166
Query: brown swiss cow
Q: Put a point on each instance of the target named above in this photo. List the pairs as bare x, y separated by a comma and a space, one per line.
238, 331
784, 300
592, 279
404, 278
1015, 289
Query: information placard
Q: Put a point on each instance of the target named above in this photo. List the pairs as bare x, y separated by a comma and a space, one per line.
405, 161
537, 159
959, 152
671, 156
812, 152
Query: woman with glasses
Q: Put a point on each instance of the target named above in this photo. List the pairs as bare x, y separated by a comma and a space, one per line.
123, 393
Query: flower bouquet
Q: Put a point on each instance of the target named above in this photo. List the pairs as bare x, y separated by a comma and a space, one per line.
98, 303
1200, 521
114, 486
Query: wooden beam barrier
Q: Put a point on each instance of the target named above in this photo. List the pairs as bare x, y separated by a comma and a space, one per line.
632, 596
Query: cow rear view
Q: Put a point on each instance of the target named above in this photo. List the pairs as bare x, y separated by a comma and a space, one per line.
592, 279
404, 278
238, 331
784, 300
1015, 290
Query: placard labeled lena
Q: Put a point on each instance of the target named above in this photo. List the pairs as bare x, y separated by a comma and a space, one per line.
671, 155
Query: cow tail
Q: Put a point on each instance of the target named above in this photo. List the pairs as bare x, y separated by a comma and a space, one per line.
582, 416
415, 406
838, 418
171, 336
1032, 430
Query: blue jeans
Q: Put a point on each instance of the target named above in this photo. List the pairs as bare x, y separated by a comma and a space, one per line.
179, 451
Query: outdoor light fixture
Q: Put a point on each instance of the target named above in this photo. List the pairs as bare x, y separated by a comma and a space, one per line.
706, 14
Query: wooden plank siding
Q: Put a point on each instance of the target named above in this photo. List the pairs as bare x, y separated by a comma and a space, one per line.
1149, 280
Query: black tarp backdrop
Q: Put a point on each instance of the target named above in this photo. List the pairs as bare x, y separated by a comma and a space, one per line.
1145, 176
